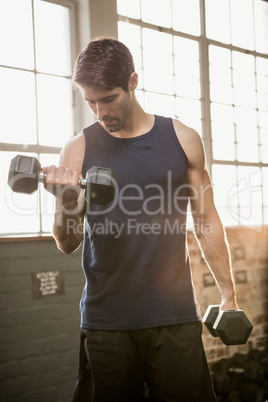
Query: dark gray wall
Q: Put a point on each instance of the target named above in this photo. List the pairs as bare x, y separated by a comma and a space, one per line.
39, 338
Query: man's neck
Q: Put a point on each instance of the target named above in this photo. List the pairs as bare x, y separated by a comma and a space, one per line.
139, 122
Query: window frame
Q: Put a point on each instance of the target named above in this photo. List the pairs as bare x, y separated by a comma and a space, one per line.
37, 148
100, 17
77, 110
205, 98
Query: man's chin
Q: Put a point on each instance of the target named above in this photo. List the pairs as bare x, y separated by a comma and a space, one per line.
111, 126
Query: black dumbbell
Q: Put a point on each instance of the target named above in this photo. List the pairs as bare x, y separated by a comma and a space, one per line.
25, 173
231, 326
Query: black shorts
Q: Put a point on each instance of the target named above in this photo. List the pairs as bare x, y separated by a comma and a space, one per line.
114, 365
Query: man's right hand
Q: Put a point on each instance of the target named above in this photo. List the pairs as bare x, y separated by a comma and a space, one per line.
63, 183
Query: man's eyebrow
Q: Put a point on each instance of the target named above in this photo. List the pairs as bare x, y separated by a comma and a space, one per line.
102, 99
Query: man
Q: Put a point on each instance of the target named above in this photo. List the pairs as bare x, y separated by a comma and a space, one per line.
139, 316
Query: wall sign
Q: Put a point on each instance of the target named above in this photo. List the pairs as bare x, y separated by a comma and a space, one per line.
208, 280
49, 283
241, 277
239, 253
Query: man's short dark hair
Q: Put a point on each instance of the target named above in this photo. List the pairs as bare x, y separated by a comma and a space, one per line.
105, 63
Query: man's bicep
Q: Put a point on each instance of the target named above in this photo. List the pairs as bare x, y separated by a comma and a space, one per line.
200, 192
200, 188
72, 154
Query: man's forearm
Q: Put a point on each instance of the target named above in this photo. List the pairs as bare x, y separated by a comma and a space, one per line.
68, 227
214, 245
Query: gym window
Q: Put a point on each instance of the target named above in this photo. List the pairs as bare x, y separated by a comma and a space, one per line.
205, 62
36, 101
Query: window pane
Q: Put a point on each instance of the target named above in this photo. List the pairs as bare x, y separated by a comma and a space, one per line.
250, 216
242, 31
246, 124
262, 82
263, 135
262, 100
186, 16
218, 20
156, 41
52, 33
156, 12
187, 76
130, 35
224, 184
19, 213
223, 150
244, 80
247, 135
159, 104
264, 153
220, 75
250, 195
151, 77
229, 215
263, 119
263, 132
249, 186
247, 152
17, 103
158, 61
129, 8
265, 185
225, 193
189, 112
265, 216
55, 114
16, 25
261, 25
222, 117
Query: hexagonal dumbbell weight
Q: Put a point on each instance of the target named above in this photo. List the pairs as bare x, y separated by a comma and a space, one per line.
231, 326
25, 173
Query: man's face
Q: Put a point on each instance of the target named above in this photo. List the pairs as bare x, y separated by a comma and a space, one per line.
111, 107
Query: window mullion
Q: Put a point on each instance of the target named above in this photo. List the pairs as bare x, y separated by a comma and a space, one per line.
35, 74
205, 90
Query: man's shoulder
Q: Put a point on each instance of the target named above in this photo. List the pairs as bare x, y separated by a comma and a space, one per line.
72, 154
75, 144
184, 132
190, 141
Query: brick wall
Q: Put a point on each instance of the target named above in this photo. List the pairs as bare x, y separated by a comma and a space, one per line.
39, 337
249, 251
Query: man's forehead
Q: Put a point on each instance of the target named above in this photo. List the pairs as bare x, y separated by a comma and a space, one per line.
92, 93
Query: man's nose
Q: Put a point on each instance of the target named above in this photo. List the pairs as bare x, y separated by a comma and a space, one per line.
100, 111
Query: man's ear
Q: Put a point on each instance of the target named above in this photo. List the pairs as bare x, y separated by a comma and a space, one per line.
133, 82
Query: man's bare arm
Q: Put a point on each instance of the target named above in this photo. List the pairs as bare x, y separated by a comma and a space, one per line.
63, 183
208, 227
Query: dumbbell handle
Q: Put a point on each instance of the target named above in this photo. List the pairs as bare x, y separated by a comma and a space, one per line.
42, 177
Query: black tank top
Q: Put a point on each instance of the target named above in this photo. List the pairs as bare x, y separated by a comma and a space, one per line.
135, 256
